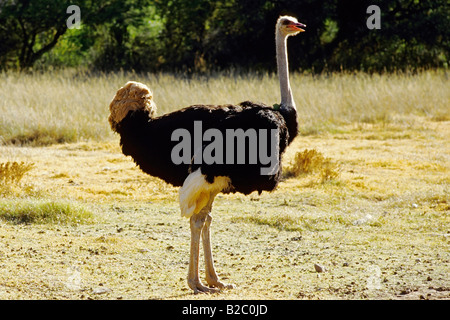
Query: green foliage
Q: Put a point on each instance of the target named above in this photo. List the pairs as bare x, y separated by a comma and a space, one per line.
413, 35
43, 211
30, 28
203, 35
71, 51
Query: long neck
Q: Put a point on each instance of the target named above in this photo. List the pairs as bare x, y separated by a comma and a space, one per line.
287, 100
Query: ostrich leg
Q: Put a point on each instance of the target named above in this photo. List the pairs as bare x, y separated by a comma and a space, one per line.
197, 223
211, 276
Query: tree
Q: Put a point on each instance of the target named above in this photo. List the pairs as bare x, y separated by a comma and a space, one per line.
413, 35
122, 35
238, 33
31, 28
223, 33
185, 29
200, 35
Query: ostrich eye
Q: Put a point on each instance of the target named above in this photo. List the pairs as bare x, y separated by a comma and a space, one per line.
286, 22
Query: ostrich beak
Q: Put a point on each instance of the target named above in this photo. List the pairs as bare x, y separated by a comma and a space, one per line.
298, 26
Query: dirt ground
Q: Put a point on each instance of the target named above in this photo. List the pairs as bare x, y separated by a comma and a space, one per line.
380, 230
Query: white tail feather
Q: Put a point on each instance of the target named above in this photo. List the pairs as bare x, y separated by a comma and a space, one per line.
196, 191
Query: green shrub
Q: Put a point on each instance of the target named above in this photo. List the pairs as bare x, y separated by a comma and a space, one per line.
43, 211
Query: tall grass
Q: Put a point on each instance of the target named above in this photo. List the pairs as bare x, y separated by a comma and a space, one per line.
72, 105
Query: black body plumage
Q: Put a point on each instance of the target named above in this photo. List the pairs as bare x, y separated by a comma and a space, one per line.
149, 142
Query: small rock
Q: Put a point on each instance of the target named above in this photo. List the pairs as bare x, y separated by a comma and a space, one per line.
257, 267
101, 290
367, 218
345, 264
405, 291
73, 183
319, 268
415, 205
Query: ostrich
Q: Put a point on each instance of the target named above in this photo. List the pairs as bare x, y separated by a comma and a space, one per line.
153, 142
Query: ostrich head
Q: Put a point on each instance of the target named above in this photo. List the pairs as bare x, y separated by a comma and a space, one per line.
289, 26
132, 96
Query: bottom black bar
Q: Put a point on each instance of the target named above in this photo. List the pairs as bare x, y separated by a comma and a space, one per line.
225, 309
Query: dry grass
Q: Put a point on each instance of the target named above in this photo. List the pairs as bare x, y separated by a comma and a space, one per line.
312, 161
13, 172
70, 106
381, 227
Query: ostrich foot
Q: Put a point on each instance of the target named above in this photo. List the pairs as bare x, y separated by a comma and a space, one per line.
198, 287
219, 284
212, 279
